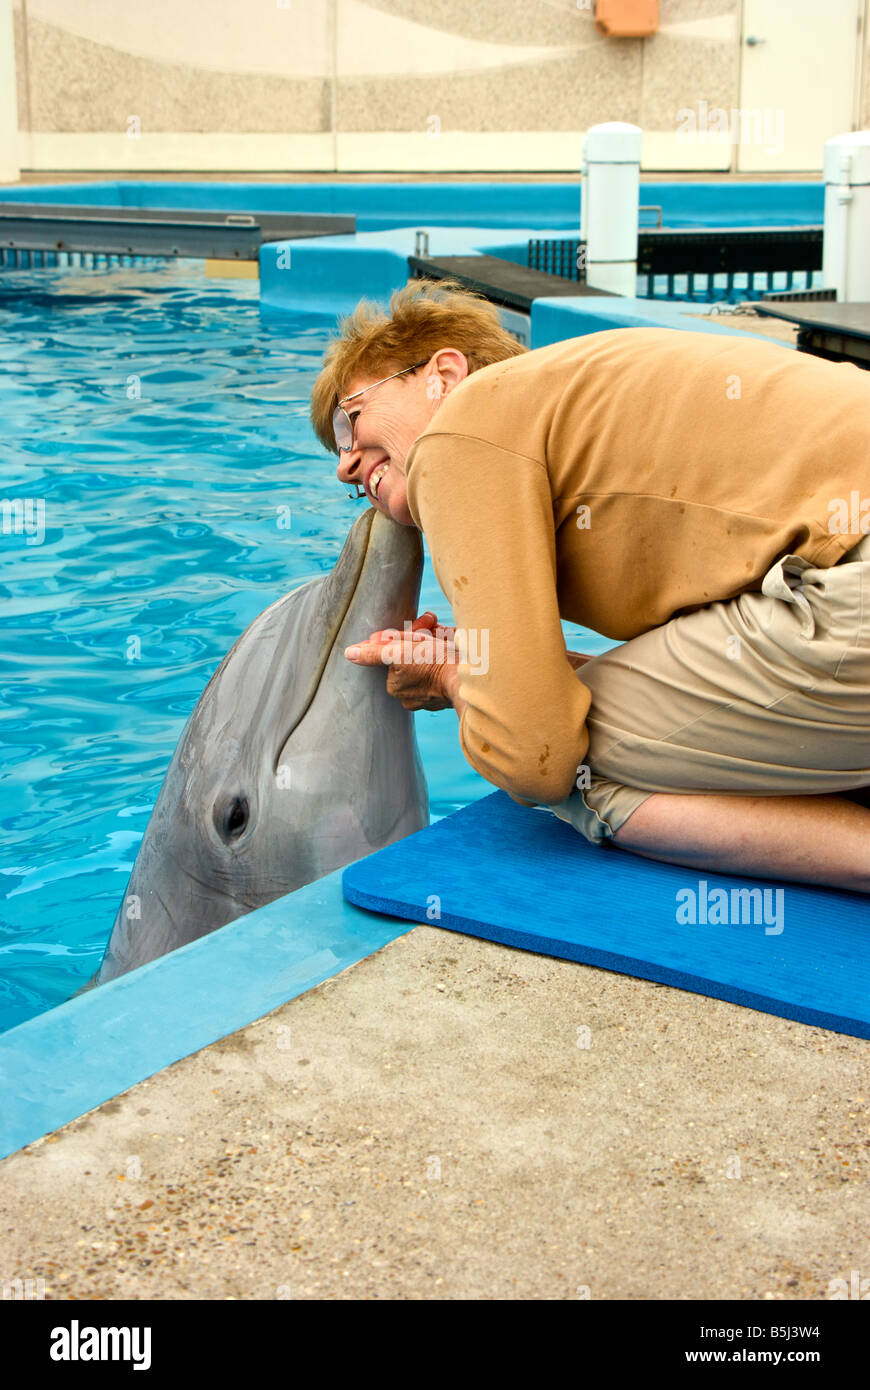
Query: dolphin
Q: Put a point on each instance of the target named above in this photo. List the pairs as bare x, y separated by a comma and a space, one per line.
294, 762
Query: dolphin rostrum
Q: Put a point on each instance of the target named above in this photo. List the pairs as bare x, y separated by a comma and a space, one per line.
294, 762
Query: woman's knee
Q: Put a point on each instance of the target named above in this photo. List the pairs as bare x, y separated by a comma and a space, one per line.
599, 808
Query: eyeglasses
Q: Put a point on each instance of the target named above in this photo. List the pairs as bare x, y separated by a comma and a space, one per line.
342, 425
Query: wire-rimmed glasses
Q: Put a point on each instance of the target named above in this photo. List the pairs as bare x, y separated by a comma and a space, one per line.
342, 425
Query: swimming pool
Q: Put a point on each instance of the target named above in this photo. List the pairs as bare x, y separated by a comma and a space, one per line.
158, 421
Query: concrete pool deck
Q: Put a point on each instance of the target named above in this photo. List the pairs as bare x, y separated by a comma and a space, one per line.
424, 1125
748, 321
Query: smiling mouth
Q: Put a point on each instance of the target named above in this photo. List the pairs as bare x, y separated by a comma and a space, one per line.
373, 481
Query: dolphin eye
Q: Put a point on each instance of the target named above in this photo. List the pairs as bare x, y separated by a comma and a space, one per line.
236, 818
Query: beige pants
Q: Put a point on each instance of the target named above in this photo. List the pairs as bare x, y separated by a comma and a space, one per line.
767, 693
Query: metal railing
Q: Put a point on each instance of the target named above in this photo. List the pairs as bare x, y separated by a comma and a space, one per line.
11, 259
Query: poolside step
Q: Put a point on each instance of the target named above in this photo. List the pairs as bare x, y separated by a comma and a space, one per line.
837, 331
503, 282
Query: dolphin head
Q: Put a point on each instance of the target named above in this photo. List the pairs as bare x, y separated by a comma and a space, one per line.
294, 762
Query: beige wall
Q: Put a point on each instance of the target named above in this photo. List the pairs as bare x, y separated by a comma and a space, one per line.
392, 85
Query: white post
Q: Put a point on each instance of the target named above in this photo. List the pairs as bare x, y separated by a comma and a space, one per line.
609, 211
846, 244
584, 197
9, 170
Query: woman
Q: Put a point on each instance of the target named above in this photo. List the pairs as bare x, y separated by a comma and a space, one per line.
703, 498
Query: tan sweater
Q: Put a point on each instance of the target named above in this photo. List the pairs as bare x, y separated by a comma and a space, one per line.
695, 461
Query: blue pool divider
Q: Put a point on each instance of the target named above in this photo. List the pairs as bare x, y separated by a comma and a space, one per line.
556, 319
329, 276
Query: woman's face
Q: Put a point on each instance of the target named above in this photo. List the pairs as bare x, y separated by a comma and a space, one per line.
387, 420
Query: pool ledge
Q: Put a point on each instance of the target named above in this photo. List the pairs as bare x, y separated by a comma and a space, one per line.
57, 1066
553, 320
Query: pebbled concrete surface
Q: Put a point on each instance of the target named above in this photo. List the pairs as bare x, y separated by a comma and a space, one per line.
426, 1126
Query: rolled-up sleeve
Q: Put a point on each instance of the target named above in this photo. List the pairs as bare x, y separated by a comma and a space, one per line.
487, 516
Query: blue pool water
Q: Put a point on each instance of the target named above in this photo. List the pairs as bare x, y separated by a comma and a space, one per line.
161, 418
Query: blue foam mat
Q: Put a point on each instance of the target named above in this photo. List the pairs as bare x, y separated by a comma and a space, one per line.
522, 877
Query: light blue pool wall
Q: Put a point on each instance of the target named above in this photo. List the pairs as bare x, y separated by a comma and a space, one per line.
72, 1058
551, 207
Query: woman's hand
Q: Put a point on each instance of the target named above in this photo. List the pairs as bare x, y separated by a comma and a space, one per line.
430, 680
424, 672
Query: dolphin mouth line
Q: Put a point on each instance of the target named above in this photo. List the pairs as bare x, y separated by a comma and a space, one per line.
328, 647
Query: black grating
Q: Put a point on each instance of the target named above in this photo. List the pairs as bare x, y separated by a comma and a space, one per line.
708, 264
789, 296
556, 257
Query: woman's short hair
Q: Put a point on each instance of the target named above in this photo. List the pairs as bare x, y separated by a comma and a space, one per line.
423, 316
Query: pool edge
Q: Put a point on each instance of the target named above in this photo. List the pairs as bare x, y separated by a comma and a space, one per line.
72, 1058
